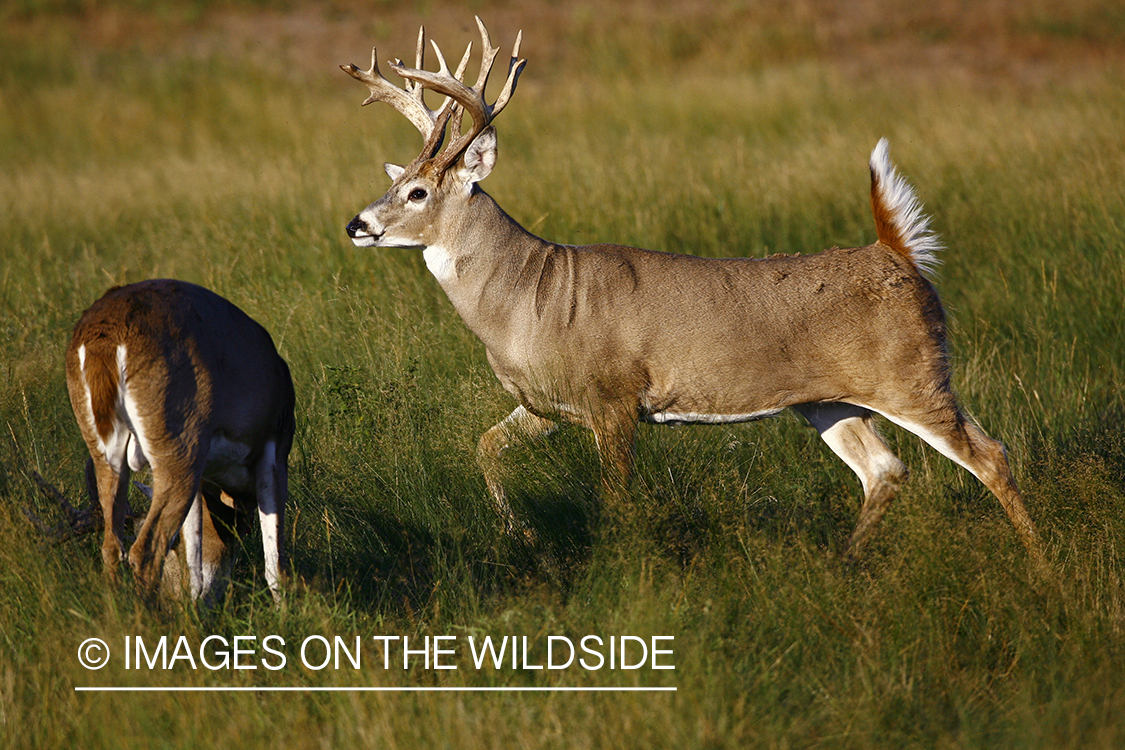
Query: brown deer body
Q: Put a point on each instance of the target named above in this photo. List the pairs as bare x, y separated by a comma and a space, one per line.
169, 374
605, 336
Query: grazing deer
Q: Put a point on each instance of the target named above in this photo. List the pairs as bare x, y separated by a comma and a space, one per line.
169, 374
605, 336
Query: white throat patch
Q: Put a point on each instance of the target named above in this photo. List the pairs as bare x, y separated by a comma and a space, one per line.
440, 263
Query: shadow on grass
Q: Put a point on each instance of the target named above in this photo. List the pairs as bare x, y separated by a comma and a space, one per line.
385, 563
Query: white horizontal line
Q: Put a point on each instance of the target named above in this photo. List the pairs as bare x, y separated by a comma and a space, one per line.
673, 418
266, 689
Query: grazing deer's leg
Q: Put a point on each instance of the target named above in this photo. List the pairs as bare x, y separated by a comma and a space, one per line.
272, 489
951, 434
113, 494
215, 555
519, 426
175, 489
199, 577
850, 432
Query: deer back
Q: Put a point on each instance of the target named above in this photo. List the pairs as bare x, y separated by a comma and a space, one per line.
175, 364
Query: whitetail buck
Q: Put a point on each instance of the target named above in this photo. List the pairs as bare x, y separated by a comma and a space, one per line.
605, 336
169, 374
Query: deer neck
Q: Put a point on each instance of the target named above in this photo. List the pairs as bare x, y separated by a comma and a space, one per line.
480, 259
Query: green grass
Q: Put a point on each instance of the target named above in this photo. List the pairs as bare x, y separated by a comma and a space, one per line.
154, 150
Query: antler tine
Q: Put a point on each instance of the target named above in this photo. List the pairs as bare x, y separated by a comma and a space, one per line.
419, 61
383, 90
460, 74
420, 53
515, 67
488, 54
459, 111
443, 69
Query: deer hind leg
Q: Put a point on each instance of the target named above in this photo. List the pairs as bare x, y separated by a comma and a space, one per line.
272, 489
113, 496
850, 432
519, 426
951, 434
175, 490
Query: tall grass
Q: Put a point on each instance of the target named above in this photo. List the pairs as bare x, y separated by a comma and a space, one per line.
118, 165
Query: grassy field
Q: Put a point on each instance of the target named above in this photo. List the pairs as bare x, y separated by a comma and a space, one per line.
218, 142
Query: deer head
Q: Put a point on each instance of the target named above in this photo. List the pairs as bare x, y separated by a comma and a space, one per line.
437, 177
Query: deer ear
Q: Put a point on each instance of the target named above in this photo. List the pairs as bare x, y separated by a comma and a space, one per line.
479, 158
393, 170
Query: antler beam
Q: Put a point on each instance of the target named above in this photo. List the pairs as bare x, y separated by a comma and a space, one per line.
407, 101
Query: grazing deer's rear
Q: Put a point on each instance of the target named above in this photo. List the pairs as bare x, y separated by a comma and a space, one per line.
169, 374
606, 336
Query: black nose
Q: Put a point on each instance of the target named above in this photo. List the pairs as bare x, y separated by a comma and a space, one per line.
354, 227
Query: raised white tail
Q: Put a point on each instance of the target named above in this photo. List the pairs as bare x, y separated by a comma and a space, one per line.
899, 221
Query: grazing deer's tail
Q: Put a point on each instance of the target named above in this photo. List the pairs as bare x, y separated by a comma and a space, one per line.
101, 369
899, 220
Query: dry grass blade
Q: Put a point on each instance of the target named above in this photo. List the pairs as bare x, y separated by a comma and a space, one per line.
78, 522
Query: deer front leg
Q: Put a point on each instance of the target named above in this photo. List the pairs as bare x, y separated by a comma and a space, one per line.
272, 490
615, 432
521, 425
198, 578
218, 546
195, 562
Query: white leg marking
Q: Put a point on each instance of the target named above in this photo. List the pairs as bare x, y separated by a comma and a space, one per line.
91, 422
938, 444
836, 439
192, 532
113, 449
139, 448
269, 514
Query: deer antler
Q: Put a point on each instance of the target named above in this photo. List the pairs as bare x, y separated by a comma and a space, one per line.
459, 97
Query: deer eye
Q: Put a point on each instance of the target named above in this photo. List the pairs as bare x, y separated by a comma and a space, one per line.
417, 194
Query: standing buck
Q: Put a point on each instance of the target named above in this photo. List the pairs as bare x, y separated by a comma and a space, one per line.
605, 336
169, 374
